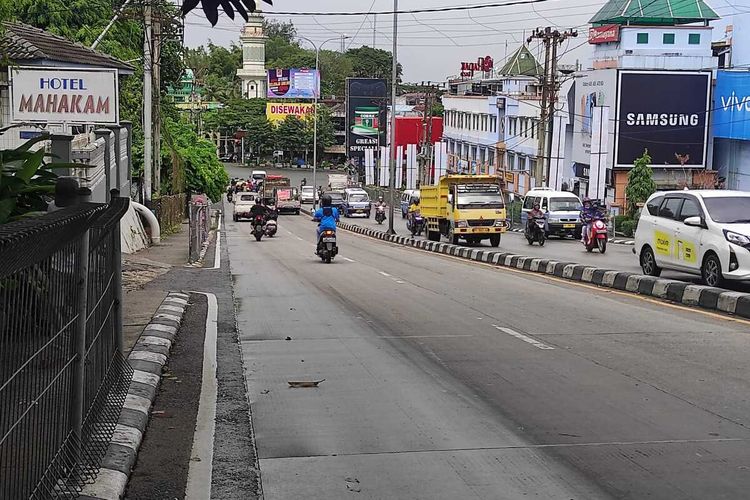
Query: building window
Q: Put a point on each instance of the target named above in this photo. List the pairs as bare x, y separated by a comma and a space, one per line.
533, 128
511, 161
694, 39
493, 123
668, 38
642, 38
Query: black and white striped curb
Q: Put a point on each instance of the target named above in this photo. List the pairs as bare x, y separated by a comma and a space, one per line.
717, 299
147, 358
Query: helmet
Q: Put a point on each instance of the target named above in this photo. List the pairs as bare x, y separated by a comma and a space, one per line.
326, 200
536, 205
380, 198
258, 201
415, 200
587, 200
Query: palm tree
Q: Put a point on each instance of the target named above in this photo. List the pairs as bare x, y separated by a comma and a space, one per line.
211, 8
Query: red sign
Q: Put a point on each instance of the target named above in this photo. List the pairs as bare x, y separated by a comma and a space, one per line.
484, 64
604, 34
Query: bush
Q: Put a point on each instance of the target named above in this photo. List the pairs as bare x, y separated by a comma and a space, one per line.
628, 227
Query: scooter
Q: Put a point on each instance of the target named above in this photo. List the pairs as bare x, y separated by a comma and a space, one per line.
415, 224
535, 231
259, 224
380, 214
327, 248
595, 235
271, 228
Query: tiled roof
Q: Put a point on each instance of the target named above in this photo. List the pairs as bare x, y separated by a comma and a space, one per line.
522, 63
21, 42
654, 12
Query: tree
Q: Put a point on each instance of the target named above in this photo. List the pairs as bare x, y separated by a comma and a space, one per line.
368, 62
290, 135
641, 183
211, 8
280, 30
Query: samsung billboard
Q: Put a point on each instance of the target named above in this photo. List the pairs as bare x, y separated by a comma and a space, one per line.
731, 115
665, 113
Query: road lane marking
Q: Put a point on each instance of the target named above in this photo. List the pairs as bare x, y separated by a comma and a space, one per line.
400, 282
348, 259
384, 274
217, 254
521, 336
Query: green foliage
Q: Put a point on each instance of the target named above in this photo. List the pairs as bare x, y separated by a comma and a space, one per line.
641, 183
628, 227
196, 157
25, 182
368, 62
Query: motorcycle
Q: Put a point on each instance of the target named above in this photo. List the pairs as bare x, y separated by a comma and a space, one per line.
380, 214
415, 224
229, 196
327, 248
271, 228
259, 224
595, 235
535, 231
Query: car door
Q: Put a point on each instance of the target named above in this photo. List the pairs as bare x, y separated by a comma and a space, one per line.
688, 250
664, 231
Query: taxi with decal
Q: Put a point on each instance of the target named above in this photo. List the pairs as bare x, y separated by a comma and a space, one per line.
705, 232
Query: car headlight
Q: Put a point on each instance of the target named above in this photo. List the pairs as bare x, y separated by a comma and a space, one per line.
499, 222
554, 219
737, 238
462, 223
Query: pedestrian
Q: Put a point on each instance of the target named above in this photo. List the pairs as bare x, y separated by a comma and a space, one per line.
66, 193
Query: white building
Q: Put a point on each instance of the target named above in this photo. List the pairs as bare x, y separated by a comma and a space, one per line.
253, 70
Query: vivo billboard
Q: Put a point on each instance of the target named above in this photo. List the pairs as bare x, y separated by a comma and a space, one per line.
731, 116
293, 83
665, 113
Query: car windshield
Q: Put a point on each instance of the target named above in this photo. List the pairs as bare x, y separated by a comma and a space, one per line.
247, 197
336, 198
564, 205
479, 196
359, 197
307, 189
729, 209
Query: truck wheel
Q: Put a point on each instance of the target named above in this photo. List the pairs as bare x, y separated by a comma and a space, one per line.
433, 235
296, 212
495, 240
452, 237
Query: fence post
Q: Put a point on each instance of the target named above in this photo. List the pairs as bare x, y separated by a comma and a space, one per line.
117, 130
129, 167
61, 148
117, 270
79, 343
106, 134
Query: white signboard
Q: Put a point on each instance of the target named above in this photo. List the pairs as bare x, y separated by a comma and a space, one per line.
595, 88
62, 95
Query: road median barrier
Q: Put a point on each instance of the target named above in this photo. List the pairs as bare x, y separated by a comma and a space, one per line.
706, 297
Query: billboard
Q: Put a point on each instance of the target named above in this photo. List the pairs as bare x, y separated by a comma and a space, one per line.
62, 95
293, 83
592, 89
731, 115
604, 34
664, 112
277, 112
366, 115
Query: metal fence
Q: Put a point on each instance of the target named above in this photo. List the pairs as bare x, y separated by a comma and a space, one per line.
200, 225
63, 378
170, 211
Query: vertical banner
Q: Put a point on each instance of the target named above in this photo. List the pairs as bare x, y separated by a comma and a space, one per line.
599, 152
385, 159
435, 174
411, 166
369, 167
399, 181
557, 160
443, 166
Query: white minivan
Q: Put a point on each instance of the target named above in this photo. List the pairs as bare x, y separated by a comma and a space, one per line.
705, 232
562, 207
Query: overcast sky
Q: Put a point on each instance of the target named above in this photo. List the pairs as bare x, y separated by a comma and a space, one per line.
431, 45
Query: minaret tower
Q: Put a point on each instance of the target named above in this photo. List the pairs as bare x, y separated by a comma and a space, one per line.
253, 71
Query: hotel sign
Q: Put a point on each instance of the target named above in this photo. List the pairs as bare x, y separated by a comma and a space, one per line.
604, 34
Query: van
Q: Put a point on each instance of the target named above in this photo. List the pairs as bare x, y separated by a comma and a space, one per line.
406, 197
563, 211
356, 202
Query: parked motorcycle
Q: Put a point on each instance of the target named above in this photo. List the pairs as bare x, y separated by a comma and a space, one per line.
415, 224
259, 224
535, 231
271, 228
380, 214
327, 248
595, 235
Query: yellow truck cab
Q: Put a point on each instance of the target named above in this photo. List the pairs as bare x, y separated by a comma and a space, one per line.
468, 207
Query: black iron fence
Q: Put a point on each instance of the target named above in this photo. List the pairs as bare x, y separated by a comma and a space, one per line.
63, 379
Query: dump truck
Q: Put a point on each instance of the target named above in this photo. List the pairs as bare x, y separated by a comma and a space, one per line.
338, 182
465, 207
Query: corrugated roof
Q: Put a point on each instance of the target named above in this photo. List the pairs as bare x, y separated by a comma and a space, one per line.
654, 12
21, 42
522, 63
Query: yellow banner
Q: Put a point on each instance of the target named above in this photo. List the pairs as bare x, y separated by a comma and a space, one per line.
277, 112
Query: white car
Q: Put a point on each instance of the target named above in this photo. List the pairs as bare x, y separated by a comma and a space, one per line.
705, 232
307, 194
243, 203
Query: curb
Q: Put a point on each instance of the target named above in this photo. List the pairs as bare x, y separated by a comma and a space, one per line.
147, 358
706, 297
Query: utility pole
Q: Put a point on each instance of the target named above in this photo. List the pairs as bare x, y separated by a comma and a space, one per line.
374, 24
148, 63
551, 38
157, 101
394, 82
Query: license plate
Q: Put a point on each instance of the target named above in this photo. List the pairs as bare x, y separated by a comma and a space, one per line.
359, 211
569, 226
330, 239
482, 230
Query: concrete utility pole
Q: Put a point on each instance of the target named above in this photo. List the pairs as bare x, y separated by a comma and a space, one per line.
425, 148
148, 63
394, 82
157, 102
551, 40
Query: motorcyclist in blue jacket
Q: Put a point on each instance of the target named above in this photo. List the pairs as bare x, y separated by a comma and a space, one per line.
327, 216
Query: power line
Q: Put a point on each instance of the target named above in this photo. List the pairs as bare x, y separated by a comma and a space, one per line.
409, 11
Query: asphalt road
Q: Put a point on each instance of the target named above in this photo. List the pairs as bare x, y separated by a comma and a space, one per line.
446, 379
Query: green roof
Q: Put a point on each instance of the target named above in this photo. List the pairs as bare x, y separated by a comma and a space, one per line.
654, 12
522, 63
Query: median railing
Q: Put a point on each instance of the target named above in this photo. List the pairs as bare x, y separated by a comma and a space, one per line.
63, 378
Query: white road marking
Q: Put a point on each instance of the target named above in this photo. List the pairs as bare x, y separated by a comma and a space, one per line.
202, 454
384, 273
217, 255
521, 336
348, 259
400, 282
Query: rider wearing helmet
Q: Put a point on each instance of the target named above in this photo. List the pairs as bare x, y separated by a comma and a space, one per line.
259, 208
326, 215
588, 213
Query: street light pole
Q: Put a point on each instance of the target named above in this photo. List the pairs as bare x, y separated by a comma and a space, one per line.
315, 113
394, 74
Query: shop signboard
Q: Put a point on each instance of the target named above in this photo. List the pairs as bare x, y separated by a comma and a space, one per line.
731, 115
366, 115
293, 83
277, 112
